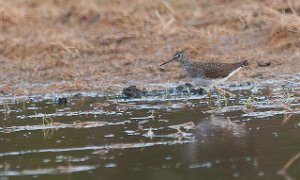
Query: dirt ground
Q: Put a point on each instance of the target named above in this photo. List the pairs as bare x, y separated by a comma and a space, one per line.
96, 45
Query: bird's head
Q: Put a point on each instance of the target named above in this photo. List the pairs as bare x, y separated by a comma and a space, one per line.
180, 56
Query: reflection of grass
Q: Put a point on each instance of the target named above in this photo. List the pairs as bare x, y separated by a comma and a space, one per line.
288, 99
152, 115
6, 110
250, 104
48, 133
47, 121
6, 167
150, 133
286, 118
222, 96
283, 170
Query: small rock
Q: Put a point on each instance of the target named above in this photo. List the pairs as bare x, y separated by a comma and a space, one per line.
189, 85
182, 89
62, 101
189, 88
263, 63
199, 91
77, 95
133, 92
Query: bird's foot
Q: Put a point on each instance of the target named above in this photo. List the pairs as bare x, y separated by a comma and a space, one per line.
209, 95
224, 92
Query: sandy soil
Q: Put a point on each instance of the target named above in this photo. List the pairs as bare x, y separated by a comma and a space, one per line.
96, 45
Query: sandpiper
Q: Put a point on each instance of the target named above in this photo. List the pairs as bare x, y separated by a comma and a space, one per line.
207, 74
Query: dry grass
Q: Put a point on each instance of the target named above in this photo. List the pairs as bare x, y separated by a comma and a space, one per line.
61, 45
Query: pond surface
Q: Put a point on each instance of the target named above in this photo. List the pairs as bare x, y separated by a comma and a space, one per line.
162, 136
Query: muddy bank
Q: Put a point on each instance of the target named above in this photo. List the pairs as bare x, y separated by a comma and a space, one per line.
99, 45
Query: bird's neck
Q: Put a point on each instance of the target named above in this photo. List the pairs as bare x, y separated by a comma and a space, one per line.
185, 62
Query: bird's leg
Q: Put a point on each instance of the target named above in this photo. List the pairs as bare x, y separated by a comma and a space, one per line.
219, 90
209, 97
224, 91
208, 91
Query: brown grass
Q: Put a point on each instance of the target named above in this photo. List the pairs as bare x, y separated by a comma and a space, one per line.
61, 45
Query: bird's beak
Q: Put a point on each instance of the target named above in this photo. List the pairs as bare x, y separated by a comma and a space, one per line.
167, 62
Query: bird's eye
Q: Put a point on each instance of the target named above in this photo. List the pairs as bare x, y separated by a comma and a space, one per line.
178, 55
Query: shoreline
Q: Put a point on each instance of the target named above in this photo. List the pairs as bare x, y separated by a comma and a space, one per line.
36, 91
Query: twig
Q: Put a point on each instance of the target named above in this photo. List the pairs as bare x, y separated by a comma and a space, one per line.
165, 25
293, 31
168, 24
160, 18
286, 118
289, 163
170, 8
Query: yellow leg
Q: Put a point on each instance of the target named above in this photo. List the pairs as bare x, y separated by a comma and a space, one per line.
208, 90
209, 94
224, 91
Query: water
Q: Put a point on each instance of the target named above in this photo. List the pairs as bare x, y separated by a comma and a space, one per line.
165, 136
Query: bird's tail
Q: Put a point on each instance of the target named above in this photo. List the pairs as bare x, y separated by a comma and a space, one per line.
243, 63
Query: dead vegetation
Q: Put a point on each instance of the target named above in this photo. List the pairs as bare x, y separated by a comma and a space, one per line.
55, 45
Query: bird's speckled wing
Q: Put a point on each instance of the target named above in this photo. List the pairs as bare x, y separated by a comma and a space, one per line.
213, 70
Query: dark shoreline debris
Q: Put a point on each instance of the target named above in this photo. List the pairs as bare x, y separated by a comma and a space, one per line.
62, 101
133, 92
263, 63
